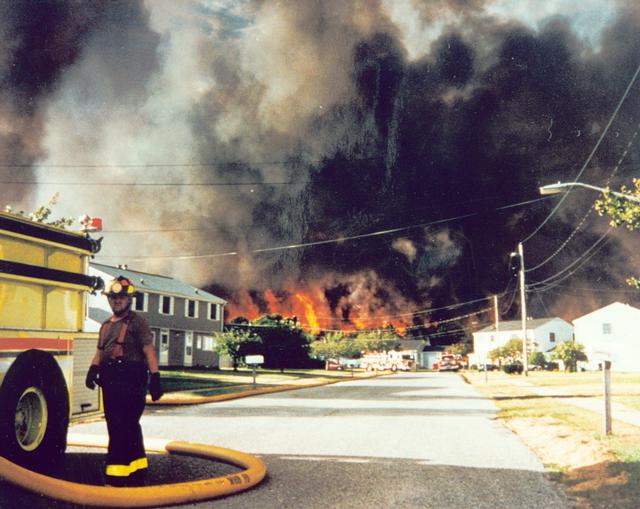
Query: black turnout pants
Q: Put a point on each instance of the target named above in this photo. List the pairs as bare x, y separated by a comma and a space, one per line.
124, 388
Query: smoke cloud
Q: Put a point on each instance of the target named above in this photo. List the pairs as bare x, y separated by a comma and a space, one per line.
275, 124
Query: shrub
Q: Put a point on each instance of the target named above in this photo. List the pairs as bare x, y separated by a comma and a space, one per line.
513, 368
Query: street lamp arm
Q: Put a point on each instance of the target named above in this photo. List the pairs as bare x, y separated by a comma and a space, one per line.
563, 187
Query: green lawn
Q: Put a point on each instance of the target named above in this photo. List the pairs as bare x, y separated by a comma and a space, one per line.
596, 485
208, 382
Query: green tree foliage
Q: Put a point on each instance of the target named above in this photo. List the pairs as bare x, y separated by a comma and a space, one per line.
538, 359
622, 212
236, 344
284, 343
569, 352
510, 352
377, 340
43, 213
462, 348
335, 345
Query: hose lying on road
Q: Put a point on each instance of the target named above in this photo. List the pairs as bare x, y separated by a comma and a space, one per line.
157, 495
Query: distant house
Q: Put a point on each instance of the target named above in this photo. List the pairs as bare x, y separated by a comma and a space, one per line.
182, 318
412, 351
610, 333
543, 334
430, 355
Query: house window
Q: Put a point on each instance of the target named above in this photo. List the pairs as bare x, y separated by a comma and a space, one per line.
141, 302
199, 342
213, 312
209, 343
606, 328
164, 341
552, 337
191, 308
166, 305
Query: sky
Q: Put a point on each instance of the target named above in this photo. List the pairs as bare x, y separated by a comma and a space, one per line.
373, 159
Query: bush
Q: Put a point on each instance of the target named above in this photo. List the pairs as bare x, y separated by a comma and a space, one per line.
513, 368
552, 366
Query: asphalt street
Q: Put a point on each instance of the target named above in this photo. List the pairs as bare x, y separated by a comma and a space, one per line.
423, 440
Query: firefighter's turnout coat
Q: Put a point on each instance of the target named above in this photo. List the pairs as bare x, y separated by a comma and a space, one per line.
123, 377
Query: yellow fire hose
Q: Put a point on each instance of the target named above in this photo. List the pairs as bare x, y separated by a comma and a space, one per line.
157, 495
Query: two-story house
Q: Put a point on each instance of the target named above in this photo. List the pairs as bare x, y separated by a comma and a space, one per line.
182, 318
543, 334
610, 333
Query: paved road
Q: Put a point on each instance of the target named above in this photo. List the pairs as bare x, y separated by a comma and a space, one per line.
423, 440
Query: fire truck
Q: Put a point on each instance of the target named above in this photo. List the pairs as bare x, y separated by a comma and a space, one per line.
380, 361
43, 287
449, 362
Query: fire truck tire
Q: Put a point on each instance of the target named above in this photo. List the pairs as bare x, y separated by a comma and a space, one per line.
34, 410
394, 368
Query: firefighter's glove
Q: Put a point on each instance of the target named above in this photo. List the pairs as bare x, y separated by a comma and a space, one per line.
93, 377
155, 389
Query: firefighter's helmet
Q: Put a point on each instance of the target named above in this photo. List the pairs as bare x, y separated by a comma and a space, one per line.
119, 286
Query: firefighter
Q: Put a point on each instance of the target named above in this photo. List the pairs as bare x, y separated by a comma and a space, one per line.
124, 365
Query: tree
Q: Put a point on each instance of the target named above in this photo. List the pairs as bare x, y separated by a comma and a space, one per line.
43, 212
236, 344
538, 359
335, 345
510, 352
284, 343
462, 348
377, 340
569, 352
623, 212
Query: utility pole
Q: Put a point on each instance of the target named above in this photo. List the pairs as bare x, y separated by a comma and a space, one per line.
495, 312
523, 313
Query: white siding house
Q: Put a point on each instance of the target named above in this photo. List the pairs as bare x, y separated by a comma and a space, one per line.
611, 333
543, 334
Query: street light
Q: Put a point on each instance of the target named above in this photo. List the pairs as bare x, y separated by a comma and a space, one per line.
563, 187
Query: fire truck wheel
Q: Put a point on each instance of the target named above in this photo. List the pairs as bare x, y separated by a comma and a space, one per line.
394, 368
34, 410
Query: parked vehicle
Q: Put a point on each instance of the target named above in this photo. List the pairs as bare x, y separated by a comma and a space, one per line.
335, 365
449, 362
381, 361
43, 285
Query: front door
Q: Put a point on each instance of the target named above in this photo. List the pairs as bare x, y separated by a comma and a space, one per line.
188, 348
163, 357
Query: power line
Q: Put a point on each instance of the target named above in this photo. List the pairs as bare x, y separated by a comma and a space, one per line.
151, 184
205, 164
589, 212
588, 160
580, 261
295, 246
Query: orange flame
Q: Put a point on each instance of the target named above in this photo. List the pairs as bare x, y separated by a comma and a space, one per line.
309, 314
315, 314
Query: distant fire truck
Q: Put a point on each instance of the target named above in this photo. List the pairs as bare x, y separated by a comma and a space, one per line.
380, 361
43, 285
448, 362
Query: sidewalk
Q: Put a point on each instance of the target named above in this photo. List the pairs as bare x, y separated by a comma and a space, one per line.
619, 412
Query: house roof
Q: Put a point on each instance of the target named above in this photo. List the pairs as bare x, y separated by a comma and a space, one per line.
616, 304
156, 283
516, 325
413, 344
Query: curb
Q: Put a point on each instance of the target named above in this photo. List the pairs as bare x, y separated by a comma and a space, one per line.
252, 392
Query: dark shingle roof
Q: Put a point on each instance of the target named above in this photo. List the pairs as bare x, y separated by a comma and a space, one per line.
155, 283
413, 344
